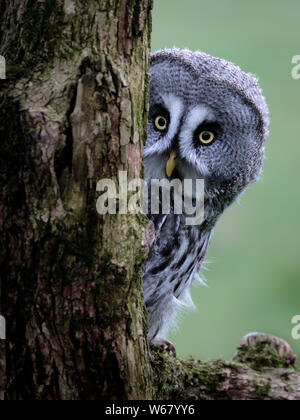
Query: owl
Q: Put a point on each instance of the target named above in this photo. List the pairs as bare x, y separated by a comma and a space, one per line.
208, 120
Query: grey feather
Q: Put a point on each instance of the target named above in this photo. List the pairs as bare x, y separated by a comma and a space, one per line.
195, 89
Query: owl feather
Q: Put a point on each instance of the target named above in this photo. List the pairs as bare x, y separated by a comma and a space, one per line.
208, 120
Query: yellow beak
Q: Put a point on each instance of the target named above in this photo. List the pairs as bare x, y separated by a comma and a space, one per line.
171, 163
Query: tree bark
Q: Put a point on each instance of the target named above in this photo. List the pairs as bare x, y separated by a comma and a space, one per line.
73, 111
263, 369
219, 380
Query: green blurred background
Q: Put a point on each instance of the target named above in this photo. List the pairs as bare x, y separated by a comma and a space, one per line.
254, 270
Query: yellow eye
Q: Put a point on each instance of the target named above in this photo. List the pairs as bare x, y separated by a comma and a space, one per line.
161, 123
206, 137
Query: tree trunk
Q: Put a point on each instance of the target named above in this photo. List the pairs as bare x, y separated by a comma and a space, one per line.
73, 111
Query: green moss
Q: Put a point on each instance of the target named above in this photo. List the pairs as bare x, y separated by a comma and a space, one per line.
179, 379
207, 378
81, 238
17, 72
264, 354
35, 40
262, 391
142, 220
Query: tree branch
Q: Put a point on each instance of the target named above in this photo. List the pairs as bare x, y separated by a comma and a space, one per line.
267, 373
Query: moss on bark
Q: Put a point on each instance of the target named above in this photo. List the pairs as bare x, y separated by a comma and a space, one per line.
176, 379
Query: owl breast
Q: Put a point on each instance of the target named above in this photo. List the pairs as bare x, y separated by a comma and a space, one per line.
172, 266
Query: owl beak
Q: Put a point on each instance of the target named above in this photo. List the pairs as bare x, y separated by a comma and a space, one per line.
171, 163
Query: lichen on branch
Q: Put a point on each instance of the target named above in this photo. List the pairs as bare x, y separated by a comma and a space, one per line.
263, 375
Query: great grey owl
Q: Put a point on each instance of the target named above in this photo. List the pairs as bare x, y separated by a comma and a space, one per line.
207, 120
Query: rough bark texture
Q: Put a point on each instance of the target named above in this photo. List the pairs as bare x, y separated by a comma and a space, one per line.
263, 369
74, 111
219, 380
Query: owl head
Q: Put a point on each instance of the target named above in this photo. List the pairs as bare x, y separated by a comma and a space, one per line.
207, 120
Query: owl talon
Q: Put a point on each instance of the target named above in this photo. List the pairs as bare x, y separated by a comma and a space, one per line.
164, 345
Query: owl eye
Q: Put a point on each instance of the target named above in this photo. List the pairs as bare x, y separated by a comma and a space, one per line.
161, 123
206, 137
